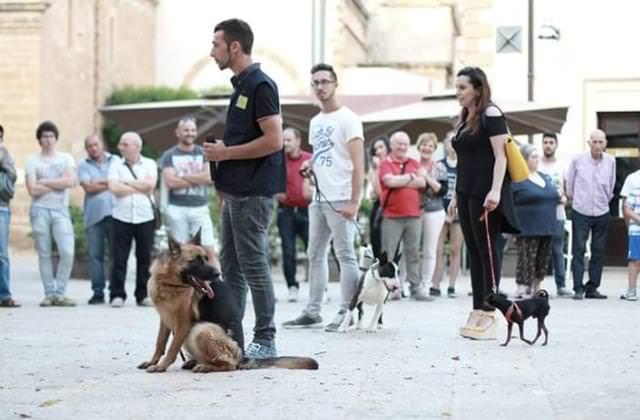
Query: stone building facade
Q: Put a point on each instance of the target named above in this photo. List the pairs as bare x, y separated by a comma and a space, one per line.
59, 59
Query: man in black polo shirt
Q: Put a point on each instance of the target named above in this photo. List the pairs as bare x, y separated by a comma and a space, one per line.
250, 170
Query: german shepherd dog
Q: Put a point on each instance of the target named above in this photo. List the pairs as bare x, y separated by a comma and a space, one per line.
518, 311
197, 307
380, 279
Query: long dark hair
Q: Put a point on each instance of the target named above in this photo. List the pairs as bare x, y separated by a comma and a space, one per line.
478, 80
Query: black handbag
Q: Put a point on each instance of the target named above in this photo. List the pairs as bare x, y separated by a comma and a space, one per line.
157, 217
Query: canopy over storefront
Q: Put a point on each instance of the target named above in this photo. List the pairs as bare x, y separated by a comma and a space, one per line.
381, 115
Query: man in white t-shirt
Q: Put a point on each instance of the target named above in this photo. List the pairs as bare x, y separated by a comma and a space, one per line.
550, 165
630, 194
132, 180
49, 175
337, 165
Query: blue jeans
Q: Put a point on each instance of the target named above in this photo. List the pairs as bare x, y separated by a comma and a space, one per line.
557, 254
581, 226
5, 218
292, 222
50, 225
244, 258
98, 235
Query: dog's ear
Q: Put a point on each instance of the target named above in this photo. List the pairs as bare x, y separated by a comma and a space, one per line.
197, 238
396, 258
383, 258
174, 246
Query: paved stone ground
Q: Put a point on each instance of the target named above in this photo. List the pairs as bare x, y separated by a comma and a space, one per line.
62, 363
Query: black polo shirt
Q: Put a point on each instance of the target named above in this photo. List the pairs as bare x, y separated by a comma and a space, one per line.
255, 97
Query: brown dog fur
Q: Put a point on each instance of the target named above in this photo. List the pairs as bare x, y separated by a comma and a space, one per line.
177, 302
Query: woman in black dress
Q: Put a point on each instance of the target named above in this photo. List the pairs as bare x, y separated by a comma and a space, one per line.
482, 183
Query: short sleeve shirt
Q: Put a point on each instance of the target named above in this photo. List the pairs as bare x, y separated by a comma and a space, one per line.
329, 135
186, 163
133, 208
99, 205
45, 167
631, 191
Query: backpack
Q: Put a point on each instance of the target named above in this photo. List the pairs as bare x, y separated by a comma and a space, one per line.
7, 186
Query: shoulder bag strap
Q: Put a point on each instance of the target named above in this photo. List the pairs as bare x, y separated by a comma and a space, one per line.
136, 178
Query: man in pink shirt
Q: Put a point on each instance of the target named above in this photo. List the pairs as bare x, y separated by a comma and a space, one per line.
293, 217
589, 185
400, 181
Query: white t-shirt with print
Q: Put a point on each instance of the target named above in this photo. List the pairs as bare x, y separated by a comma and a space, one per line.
329, 134
631, 191
555, 172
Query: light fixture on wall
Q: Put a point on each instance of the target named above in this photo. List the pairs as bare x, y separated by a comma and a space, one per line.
549, 32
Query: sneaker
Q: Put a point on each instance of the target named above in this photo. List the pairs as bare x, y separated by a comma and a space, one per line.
47, 301
420, 296
293, 294
433, 291
96, 300
63, 301
117, 302
9, 303
304, 321
337, 321
630, 294
145, 302
261, 350
579, 295
451, 292
564, 293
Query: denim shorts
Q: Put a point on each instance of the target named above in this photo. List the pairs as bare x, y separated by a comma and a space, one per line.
634, 248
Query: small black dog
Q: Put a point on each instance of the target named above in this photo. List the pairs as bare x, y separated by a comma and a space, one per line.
517, 311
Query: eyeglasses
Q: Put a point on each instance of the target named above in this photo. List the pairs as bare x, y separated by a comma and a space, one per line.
321, 82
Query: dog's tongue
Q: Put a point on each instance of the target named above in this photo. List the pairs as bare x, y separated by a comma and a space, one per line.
207, 289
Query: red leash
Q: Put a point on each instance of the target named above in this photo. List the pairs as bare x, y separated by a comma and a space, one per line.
485, 217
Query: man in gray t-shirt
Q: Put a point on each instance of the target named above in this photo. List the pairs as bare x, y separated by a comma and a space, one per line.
49, 176
186, 174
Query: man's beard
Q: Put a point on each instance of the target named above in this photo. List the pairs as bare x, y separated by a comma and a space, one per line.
549, 154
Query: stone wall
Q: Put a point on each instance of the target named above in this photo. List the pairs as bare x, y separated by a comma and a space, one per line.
59, 60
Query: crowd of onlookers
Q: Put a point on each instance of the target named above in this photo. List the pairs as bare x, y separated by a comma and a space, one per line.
423, 207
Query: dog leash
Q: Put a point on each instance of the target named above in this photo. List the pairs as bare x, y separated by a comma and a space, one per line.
485, 217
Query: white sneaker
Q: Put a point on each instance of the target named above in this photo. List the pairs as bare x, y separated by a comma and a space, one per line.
630, 294
293, 294
117, 303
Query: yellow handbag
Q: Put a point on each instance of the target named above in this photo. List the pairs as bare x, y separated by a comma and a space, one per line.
516, 165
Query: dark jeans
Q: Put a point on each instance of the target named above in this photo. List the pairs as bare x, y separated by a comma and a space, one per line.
375, 238
475, 237
557, 255
122, 234
292, 222
581, 226
244, 257
98, 240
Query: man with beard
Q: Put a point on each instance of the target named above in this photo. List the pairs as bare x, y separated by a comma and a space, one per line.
93, 174
187, 177
550, 165
250, 170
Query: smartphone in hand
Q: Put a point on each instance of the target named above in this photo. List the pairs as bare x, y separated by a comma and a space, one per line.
213, 166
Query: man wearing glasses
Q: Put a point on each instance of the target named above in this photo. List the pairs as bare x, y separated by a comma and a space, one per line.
590, 180
336, 136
